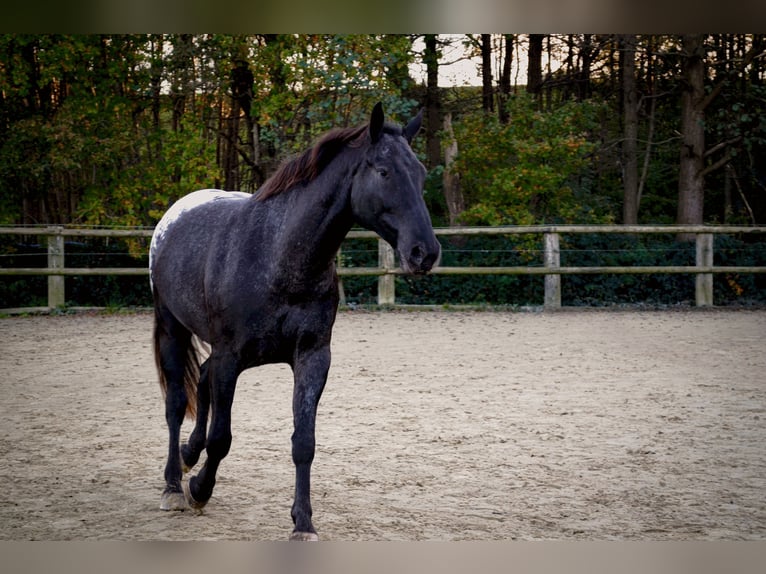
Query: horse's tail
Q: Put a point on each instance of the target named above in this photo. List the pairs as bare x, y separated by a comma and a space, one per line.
181, 338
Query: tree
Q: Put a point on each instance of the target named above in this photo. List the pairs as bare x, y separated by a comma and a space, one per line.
240, 146
691, 181
529, 171
587, 54
630, 142
451, 179
696, 160
487, 89
504, 93
111, 129
433, 101
535, 64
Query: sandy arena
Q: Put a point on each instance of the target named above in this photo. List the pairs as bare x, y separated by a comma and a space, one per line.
577, 425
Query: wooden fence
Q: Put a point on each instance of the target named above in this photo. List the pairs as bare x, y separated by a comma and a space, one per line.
387, 270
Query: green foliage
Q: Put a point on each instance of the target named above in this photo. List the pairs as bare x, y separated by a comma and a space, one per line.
736, 123
307, 84
533, 169
111, 129
141, 190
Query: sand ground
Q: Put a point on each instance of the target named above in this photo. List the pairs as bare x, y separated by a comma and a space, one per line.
577, 425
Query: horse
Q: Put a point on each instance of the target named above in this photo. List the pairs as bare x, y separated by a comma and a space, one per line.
252, 277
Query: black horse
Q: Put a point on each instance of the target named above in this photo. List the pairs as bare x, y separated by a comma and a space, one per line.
254, 277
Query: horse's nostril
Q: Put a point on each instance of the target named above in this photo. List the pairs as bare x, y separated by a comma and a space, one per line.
417, 254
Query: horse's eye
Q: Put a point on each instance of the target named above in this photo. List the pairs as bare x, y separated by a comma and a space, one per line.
383, 172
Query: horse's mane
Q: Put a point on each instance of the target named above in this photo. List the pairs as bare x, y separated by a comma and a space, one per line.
309, 164
306, 166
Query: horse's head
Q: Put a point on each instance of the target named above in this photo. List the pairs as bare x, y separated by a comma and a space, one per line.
387, 193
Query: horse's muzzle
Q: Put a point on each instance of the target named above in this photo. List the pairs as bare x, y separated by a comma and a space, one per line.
421, 257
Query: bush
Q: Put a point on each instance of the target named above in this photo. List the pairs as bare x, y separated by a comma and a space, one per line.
580, 250
603, 250
534, 169
577, 250
97, 290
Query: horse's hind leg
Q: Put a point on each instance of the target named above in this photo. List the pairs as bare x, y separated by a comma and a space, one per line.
191, 450
172, 348
222, 373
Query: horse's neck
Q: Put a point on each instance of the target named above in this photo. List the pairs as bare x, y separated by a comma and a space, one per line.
315, 221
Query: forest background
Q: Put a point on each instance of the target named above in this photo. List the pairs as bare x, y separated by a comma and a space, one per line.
109, 130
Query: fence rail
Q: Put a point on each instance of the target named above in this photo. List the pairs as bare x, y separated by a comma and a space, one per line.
704, 269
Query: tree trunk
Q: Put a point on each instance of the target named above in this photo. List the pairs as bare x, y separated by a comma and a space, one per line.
433, 103
535, 64
156, 79
583, 76
487, 99
242, 96
182, 71
691, 181
182, 84
231, 156
452, 193
505, 79
630, 142
650, 81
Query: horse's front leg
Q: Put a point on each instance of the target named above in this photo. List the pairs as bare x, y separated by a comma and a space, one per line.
310, 372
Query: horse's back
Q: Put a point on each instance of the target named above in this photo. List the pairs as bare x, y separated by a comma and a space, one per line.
201, 200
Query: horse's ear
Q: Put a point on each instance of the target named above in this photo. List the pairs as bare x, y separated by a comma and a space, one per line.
414, 126
376, 122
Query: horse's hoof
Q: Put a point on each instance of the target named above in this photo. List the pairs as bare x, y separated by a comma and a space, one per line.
193, 504
173, 501
304, 537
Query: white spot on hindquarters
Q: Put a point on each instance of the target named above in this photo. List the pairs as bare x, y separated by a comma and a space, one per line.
186, 203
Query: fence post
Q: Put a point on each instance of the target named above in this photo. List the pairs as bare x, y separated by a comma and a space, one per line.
56, 295
552, 259
704, 281
386, 284
338, 265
